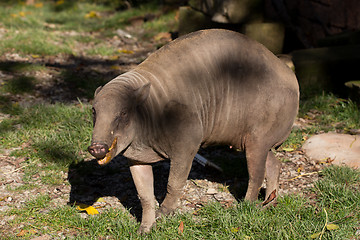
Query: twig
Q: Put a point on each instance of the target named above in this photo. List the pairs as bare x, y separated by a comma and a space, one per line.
305, 174
326, 223
196, 184
15, 170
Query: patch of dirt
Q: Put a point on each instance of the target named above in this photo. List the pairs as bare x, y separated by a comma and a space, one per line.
87, 181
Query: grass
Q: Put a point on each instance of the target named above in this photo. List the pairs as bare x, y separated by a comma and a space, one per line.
39, 29
328, 113
293, 218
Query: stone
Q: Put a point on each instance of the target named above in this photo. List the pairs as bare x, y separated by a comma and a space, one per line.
229, 11
354, 90
336, 148
191, 20
327, 68
271, 35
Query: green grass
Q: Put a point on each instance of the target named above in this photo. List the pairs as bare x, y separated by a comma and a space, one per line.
53, 132
293, 218
331, 113
40, 30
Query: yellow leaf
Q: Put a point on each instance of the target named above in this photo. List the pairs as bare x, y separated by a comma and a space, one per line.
39, 5
115, 67
332, 227
315, 235
125, 51
181, 227
92, 14
14, 15
100, 199
59, 2
234, 229
288, 149
35, 56
114, 57
22, 14
89, 209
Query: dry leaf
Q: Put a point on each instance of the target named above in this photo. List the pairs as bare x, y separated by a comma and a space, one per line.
59, 2
92, 14
115, 67
234, 229
39, 5
315, 235
89, 209
163, 36
332, 227
288, 149
114, 57
181, 227
125, 51
23, 232
100, 199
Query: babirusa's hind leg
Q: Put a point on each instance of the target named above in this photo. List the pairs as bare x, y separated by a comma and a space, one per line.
272, 174
256, 160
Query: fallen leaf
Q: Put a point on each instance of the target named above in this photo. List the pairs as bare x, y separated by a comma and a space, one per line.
59, 2
163, 36
181, 227
300, 168
23, 232
3, 198
115, 57
288, 149
89, 209
115, 67
39, 5
315, 235
125, 51
331, 227
234, 229
100, 199
92, 14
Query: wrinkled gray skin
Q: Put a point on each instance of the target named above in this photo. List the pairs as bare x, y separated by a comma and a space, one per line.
209, 87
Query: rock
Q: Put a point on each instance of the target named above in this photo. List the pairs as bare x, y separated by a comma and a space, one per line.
271, 35
191, 20
327, 68
334, 147
211, 191
354, 90
229, 11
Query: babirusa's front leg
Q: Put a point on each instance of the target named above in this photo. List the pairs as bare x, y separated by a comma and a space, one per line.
144, 182
179, 172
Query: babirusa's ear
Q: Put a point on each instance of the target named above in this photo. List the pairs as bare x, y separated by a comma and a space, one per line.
97, 91
142, 93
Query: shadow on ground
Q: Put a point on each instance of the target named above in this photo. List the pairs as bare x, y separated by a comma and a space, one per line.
89, 181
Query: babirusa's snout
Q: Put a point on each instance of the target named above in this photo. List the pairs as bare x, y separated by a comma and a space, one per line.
98, 150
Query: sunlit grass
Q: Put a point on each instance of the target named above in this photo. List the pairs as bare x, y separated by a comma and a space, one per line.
293, 218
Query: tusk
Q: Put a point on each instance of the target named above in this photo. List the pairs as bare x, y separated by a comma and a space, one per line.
109, 156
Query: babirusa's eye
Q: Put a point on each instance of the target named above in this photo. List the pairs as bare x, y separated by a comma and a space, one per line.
94, 115
123, 117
